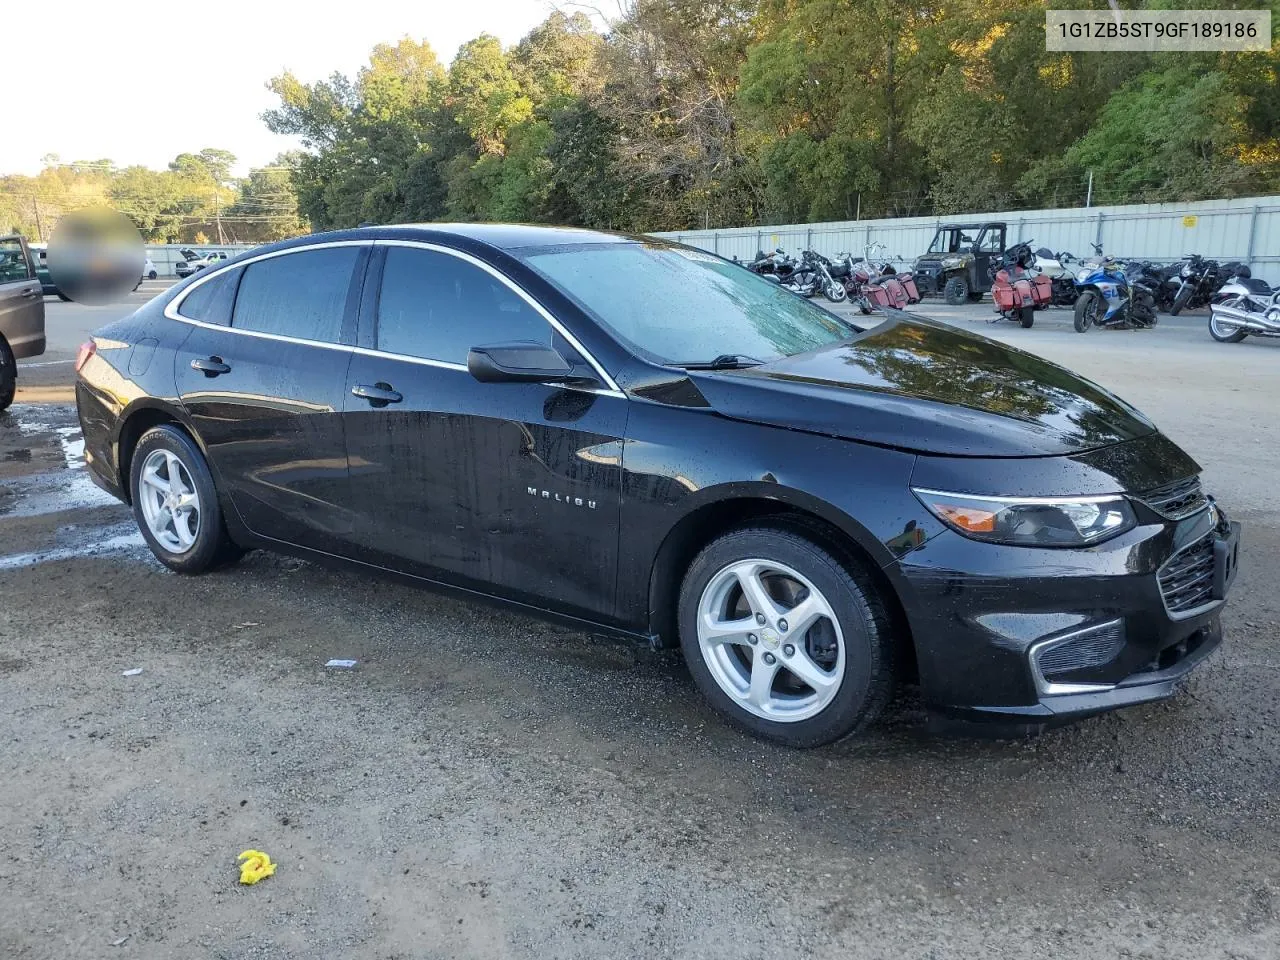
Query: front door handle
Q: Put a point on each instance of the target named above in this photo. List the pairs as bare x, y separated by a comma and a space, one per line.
210, 366
28, 294
378, 394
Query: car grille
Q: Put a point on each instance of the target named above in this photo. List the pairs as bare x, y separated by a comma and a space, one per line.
1186, 580
1176, 500
1083, 651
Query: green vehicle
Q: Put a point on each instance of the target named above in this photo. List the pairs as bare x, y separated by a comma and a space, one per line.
40, 260
957, 262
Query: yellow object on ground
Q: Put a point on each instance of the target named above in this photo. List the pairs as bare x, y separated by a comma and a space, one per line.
256, 866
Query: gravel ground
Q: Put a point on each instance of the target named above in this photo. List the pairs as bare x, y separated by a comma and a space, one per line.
486, 785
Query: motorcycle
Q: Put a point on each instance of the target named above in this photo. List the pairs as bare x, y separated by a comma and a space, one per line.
1199, 280
1108, 299
1244, 307
1062, 279
830, 287
855, 274
900, 284
1016, 290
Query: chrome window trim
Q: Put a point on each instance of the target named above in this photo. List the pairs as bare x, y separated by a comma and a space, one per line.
1047, 688
171, 308
421, 361
608, 381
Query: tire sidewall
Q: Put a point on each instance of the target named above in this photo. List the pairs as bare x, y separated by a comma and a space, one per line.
1082, 320
956, 291
8, 375
866, 658
211, 539
1027, 317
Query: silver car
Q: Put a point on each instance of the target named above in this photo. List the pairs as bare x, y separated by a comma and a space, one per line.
21, 313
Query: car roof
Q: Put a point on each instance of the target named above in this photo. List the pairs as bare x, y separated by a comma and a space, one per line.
972, 226
503, 236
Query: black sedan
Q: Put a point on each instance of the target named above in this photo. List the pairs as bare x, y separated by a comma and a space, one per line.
639, 436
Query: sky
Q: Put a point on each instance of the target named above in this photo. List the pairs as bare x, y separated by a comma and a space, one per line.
139, 84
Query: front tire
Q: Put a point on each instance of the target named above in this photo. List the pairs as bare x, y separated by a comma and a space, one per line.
1086, 310
1180, 301
175, 504
836, 292
8, 375
956, 291
805, 681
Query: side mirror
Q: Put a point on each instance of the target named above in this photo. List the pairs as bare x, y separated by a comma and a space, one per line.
519, 362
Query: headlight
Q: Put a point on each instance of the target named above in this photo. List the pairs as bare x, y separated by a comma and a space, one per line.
952, 262
1083, 275
1031, 521
1186, 270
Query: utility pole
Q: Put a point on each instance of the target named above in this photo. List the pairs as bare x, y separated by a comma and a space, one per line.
217, 207
35, 202
1088, 197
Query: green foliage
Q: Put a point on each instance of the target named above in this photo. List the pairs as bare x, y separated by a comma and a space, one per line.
687, 113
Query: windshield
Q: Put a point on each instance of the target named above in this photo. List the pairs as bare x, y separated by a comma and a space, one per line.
675, 305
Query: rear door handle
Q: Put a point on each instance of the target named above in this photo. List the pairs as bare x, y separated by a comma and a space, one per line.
210, 366
378, 394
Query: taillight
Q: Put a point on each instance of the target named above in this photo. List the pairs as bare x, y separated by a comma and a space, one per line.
87, 350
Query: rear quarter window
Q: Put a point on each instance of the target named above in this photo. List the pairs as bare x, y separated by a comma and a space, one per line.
212, 300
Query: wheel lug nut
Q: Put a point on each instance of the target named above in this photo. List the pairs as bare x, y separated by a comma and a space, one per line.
760, 618
752, 638
782, 625
770, 659
788, 650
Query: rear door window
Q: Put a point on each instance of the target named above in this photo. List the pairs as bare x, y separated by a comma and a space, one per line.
302, 295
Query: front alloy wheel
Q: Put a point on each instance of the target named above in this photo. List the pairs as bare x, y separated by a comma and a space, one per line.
784, 640
1088, 309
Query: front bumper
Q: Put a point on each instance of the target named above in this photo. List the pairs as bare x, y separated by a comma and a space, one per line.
929, 277
983, 616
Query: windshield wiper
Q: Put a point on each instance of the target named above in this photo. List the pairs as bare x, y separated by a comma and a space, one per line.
726, 361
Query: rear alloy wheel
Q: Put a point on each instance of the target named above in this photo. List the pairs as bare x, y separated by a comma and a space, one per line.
956, 291
1224, 331
175, 504
8, 375
783, 640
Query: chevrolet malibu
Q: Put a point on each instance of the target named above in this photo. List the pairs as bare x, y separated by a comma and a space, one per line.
634, 435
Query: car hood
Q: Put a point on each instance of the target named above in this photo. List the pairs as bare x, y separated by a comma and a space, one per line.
918, 385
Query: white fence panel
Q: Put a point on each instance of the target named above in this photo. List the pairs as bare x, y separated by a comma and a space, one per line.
1246, 229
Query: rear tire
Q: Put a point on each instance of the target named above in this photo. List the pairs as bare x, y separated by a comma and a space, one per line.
8, 375
846, 648
168, 468
956, 291
1086, 308
1220, 332
1027, 317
